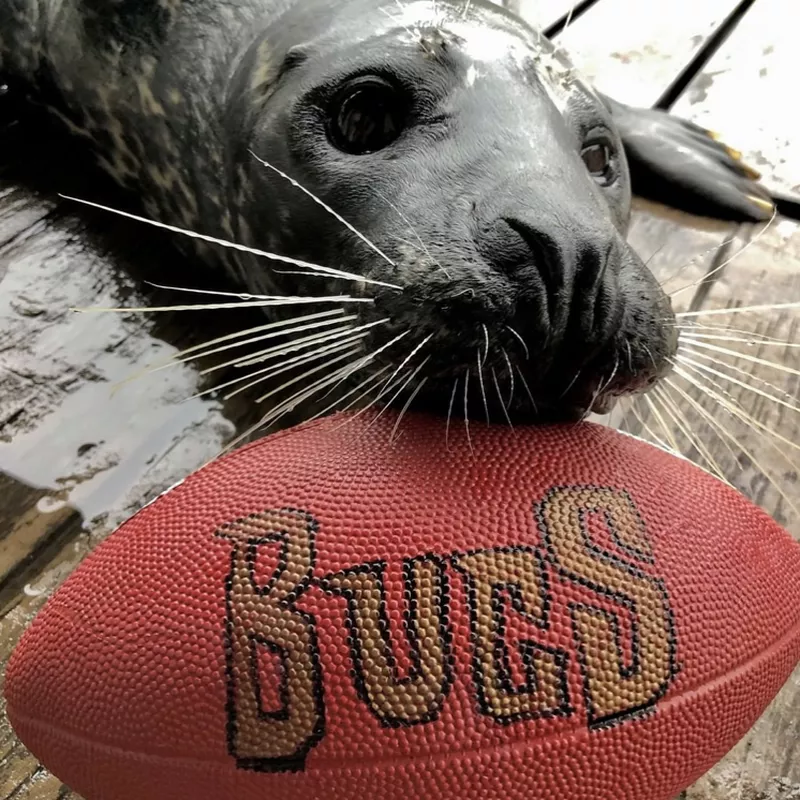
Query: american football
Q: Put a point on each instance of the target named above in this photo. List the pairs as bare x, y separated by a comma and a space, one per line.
557, 611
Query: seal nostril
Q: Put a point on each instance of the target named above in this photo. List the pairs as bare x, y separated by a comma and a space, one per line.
544, 254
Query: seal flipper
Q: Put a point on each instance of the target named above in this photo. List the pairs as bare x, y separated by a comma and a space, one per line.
677, 163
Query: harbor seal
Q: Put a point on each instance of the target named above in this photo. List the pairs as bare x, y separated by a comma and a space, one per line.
442, 150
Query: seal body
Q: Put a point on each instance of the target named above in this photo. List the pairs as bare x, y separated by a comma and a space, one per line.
481, 189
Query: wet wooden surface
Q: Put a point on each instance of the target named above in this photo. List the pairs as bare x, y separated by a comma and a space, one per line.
80, 450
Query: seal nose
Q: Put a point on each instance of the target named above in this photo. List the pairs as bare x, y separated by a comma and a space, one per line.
565, 280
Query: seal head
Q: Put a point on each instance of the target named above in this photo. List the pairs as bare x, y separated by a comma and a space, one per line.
494, 184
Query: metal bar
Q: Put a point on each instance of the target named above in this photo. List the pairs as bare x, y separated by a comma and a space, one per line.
703, 56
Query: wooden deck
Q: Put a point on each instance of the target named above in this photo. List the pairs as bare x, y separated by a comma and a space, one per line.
77, 458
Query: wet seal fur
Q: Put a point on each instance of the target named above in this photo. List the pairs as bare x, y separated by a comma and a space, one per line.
496, 206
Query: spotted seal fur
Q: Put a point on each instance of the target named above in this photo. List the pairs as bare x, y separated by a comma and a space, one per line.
493, 185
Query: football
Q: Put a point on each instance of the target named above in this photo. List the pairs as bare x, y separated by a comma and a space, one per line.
486, 614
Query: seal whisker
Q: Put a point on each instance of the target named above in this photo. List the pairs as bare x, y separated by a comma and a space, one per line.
510, 376
264, 337
729, 260
397, 394
466, 413
694, 327
650, 356
570, 384
756, 309
337, 273
657, 439
275, 414
325, 317
405, 408
483, 388
450, 414
698, 338
687, 361
325, 365
486, 342
731, 408
327, 208
527, 389
406, 360
693, 260
269, 301
662, 396
275, 369
673, 442
764, 362
297, 344
521, 341
709, 419
372, 379
199, 350
291, 402
500, 397
413, 230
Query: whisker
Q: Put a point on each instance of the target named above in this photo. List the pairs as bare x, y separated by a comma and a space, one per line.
233, 245
483, 388
413, 231
351, 352
510, 376
397, 394
326, 317
450, 414
241, 360
199, 350
673, 442
730, 379
301, 343
405, 408
327, 208
705, 414
268, 301
657, 439
407, 359
372, 379
694, 259
749, 419
711, 312
746, 357
500, 398
661, 395
267, 373
696, 338
695, 327
731, 409
486, 340
527, 389
520, 340
333, 340
732, 258
466, 416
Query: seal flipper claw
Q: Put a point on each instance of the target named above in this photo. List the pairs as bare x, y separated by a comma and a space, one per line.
677, 163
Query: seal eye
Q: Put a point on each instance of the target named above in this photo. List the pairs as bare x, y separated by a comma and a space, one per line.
599, 162
366, 116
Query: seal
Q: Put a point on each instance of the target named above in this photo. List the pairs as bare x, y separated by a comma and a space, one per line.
453, 178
